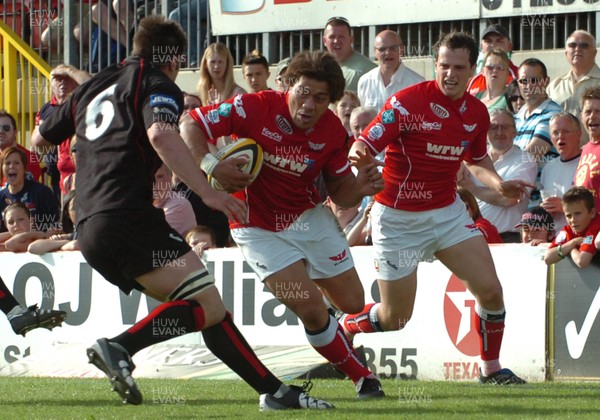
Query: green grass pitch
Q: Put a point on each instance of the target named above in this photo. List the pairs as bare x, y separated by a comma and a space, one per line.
59, 398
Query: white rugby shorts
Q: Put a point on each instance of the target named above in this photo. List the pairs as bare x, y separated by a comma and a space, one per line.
401, 239
315, 237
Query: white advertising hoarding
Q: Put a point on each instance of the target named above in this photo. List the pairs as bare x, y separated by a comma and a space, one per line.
256, 16
439, 342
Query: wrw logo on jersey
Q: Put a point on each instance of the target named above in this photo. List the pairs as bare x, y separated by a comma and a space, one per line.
445, 152
283, 163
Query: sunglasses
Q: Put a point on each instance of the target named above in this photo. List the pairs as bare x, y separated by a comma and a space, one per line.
6, 127
498, 67
581, 45
515, 98
337, 19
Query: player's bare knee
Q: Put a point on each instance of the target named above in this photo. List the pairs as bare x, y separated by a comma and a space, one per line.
199, 286
351, 305
313, 317
491, 297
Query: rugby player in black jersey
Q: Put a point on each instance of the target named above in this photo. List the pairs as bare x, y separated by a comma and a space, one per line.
125, 120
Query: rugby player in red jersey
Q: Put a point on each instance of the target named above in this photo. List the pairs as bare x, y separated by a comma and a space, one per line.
429, 129
292, 240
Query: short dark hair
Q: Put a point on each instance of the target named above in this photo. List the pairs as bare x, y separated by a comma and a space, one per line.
532, 62
317, 65
159, 40
4, 113
458, 40
580, 194
193, 95
255, 57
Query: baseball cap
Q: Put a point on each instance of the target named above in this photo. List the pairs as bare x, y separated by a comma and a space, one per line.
496, 29
537, 217
283, 65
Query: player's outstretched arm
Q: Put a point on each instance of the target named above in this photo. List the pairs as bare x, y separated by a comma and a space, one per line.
485, 172
175, 154
485, 193
348, 190
225, 171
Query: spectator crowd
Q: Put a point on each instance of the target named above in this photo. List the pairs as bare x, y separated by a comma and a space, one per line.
539, 130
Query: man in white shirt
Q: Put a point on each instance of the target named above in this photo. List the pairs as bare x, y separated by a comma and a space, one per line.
580, 52
511, 163
566, 90
558, 175
376, 86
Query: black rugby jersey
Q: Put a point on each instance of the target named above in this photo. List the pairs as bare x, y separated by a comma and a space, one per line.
110, 115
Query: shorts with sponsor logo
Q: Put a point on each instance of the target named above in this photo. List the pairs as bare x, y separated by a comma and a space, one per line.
401, 239
314, 237
124, 244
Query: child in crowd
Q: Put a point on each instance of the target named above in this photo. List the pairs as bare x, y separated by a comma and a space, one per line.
201, 238
537, 227
578, 238
18, 223
65, 241
255, 69
343, 109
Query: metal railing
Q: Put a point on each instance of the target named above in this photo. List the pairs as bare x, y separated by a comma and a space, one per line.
49, 26
25, 81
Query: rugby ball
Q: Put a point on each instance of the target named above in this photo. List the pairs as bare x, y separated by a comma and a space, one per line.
241, 147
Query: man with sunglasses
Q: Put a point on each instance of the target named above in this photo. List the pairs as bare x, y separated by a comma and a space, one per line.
566, 90
533, 131
391, 76
338, 39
